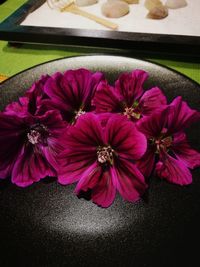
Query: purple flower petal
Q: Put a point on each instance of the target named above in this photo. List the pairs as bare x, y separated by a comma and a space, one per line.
124, 138
89, 179
72, 91
11, 140
181, 116
87, 132
36, 94
80, 142
152, 126
19, 108
100, 182
51, 152
31, 102
152, 100
130, 85
103, 194
128, 180
73, 163
183, 151
53, 120
107, 99
146, 163
30, 167
38, 87
173, 170
29, 144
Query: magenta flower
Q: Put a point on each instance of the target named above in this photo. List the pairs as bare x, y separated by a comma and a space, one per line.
128, 96
71, 92
32, 101
165, 133
101, 158
38, 86
29, 146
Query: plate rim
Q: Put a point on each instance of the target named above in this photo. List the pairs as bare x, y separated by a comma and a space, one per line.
101, 55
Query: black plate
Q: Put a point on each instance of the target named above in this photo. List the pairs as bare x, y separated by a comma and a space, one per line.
47, 225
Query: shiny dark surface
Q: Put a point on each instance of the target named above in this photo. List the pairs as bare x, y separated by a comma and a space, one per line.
47, 225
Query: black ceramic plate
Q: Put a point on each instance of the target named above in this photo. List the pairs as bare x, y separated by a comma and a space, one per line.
47, 225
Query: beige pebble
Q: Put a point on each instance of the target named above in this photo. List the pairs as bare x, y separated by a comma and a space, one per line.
150, 4
115, 9
131, 1
85, 2
159, 12
173, 4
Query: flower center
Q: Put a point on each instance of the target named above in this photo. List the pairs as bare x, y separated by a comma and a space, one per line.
37, 134
130, 113
163, 143
79, 113
105, 154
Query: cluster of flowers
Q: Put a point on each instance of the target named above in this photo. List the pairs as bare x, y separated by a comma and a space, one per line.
79, 128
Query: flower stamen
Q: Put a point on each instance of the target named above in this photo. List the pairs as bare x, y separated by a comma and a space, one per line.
163, 143
78, 114
34, 137
130, 112
37, 134
105, 154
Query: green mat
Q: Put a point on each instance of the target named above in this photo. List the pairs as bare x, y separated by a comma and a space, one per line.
18, 58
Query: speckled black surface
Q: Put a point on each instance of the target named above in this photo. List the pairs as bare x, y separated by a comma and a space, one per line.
47, 225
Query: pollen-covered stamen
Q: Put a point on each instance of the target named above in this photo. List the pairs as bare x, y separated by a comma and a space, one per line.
33, 137
37, 134
79, 113
105, 154
130, 113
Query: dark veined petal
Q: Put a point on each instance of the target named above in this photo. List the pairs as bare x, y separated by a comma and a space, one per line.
181, 116
146, 163
73, 164
89, 178
58, 95
87, 132
103, 194
80, 142
128, 180
30, 103
100, 183
30, 167
19, 108
72, 91
36, 94
51, 151
90, 86
106, 98
12, 129
173, 170
38, 86
66, 112
130, 85
104, 117
124, 138
153, 125
189, 156
152, 100
52, 119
